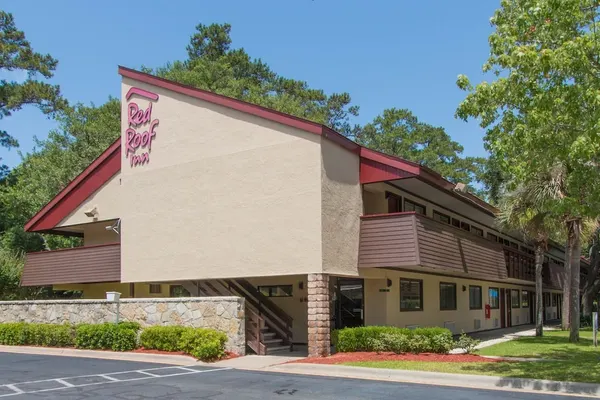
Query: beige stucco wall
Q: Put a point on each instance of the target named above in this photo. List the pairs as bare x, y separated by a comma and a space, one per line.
341, 208
295, 306
106, 200
98, 290
383, 308
97, 233
225, 194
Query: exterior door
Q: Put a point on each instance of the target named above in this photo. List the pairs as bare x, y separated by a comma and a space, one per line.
532, 308
502, 309
508, 308
349, 303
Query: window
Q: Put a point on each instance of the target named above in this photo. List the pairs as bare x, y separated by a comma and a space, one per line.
492, 237
554, 299
514, 245
524, 299
477, 231
546, 299
515, 299
465, 226
276, 290
394, 202
155, 288
412, 206
455, 222
411, 295
506, 242
494, 298
441, 217
475, 297
447, 296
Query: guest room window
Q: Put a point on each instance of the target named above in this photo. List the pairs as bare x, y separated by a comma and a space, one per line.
276, 290
412, 206
475, 298
494, 298
155, 288
411, 295
441, 217
515, 299
524, 299
447, 296
394, 202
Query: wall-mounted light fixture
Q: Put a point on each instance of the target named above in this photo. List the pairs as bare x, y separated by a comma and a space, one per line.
92, 213
301, 285
389, 282
464, 288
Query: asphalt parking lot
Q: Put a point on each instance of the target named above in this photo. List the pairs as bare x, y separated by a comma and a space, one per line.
48, 377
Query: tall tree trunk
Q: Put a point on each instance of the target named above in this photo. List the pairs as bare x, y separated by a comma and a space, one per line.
574, 238
566, 297
539, 296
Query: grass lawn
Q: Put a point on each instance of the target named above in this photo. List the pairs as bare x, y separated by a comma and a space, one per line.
571, 362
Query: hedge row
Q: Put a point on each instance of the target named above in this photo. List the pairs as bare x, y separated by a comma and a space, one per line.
397, 340
204, 344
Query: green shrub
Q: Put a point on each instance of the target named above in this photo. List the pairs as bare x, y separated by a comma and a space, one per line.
397, 340
165, 338
467, 343
23, 334
204, 344
13, 334
107, 336
50, 335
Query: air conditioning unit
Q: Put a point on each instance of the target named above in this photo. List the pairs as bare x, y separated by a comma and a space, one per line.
476, 324
496, 323
451, 325
413, 326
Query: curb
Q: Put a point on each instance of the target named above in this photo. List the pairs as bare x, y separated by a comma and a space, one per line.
104, 355
443, 379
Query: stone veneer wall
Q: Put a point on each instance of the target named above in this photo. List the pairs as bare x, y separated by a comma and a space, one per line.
226, 314
319, 321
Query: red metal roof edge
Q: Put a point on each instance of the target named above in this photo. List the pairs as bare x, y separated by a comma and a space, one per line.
31, 225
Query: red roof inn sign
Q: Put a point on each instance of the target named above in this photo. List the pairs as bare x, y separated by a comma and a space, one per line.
137, 120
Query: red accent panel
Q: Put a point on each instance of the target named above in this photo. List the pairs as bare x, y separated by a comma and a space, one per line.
80, 188
374, 171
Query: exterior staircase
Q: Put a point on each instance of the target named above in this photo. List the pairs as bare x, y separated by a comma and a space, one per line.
268, 327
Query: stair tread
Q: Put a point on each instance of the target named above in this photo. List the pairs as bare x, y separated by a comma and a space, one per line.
274, 340
277, 348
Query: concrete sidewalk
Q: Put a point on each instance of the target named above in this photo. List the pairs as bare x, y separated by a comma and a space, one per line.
441, 379
490, 338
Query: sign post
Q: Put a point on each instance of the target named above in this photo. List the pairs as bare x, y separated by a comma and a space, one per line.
595, 324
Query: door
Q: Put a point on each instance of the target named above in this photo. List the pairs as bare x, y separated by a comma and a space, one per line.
532, 308
349, 303
508, 308
502, 309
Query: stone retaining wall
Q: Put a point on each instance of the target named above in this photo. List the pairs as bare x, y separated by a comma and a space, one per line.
222, 313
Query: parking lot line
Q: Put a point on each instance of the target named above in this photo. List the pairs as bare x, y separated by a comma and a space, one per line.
109, 379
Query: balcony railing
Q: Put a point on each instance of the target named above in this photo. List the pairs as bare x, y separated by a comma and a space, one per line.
407, 240
87, 264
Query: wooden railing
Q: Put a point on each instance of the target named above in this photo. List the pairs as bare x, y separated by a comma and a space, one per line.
254, 325
272, 315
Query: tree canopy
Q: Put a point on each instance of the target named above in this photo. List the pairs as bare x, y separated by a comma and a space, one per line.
541, 112
16, 54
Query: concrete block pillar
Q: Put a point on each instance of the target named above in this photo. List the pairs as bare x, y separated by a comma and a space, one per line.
319, 316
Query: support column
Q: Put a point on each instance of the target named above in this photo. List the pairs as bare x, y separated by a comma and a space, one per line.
319, 317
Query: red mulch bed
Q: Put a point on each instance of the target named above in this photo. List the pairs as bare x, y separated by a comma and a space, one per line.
340, 358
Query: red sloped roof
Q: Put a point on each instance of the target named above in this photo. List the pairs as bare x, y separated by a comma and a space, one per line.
78, 190
375, 166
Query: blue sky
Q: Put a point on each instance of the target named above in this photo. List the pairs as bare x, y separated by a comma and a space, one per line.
396, 53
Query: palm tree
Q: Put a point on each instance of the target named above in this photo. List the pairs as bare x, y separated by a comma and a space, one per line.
520, 212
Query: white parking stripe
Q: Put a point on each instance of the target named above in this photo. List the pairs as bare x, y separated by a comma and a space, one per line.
110, 379
187, 369
13, 387
67, 384
147, 373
